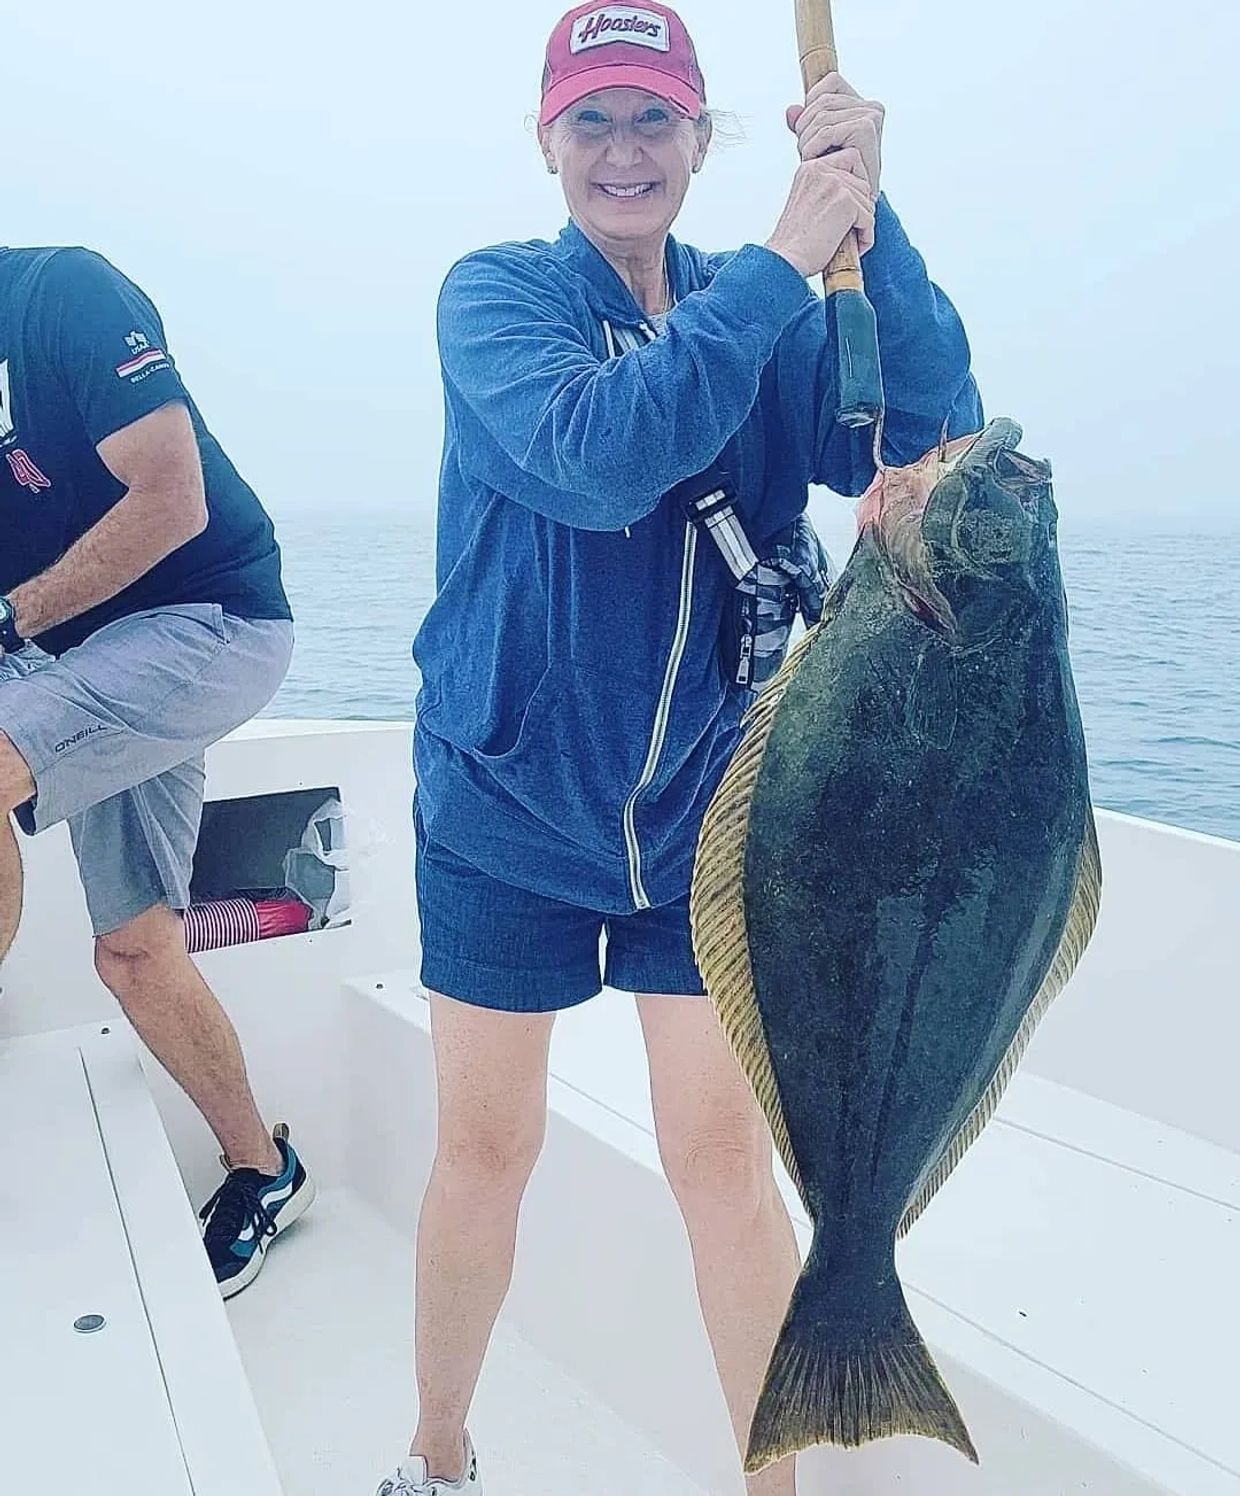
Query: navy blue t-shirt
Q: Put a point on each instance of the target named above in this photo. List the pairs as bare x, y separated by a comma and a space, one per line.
83, 354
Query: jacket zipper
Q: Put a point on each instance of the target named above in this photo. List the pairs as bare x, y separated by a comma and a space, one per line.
663, 712
662, 716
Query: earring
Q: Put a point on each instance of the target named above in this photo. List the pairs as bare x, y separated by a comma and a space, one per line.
553, 168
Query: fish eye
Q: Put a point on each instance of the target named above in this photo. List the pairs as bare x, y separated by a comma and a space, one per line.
994, 530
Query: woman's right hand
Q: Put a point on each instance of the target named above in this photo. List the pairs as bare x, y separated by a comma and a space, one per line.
830, 197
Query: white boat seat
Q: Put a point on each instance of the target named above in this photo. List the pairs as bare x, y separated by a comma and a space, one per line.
1080, 1265
1099, 1247
118, 1367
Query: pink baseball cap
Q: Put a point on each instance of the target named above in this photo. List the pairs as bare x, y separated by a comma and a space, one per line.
642, 46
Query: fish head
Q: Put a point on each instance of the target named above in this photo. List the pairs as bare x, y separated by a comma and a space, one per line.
990, 530
969, 534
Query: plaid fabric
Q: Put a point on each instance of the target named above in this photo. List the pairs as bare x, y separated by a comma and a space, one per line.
794, 577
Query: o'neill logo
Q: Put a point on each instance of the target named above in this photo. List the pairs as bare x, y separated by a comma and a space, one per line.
620, 23
79, 737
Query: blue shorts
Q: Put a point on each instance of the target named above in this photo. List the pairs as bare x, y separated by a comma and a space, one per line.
493, 945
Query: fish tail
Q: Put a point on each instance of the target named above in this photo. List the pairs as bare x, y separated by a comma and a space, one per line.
830, 1385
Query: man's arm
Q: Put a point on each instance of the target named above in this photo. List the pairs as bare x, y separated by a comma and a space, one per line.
156, 458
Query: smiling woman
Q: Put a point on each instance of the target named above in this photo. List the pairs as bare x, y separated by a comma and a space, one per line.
625, 124
632, 426
626, 158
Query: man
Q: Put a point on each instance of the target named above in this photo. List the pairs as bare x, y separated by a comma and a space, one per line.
142, 617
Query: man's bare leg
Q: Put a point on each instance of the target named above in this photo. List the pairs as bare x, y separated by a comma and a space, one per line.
16, 787
146, 967
10, 886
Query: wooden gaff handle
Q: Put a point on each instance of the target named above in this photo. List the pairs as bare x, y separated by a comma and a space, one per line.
816, 39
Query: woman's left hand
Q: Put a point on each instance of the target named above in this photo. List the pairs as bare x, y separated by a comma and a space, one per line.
834, 117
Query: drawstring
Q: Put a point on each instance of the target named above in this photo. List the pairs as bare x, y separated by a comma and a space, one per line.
609, 338
613, 351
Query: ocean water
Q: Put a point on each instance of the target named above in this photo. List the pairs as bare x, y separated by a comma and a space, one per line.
1155, 646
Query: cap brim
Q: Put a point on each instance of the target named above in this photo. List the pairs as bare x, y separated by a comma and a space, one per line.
563, 95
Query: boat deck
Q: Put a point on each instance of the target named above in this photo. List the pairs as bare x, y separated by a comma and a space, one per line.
1075, 1280
326, 1337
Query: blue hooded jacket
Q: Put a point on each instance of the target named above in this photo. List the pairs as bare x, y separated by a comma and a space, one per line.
574, 717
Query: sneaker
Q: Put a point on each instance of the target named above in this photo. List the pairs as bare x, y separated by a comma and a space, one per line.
413, 1478
248, 1211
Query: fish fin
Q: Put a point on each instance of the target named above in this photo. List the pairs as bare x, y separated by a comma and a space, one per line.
874, 1385
717, 904
930, 709
1079, 928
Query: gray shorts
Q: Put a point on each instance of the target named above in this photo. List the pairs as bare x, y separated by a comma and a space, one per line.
114, 732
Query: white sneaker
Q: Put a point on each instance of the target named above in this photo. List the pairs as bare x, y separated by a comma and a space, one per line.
413, 1478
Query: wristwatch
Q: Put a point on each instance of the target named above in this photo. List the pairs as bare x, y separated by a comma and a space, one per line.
10, 640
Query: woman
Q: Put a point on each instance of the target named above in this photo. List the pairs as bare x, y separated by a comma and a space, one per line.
580, 699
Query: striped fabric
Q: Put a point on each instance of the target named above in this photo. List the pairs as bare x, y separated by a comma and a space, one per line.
222, 922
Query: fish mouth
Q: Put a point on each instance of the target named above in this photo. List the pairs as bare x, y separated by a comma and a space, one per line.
893, 514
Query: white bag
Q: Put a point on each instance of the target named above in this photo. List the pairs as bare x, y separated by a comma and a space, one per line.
317, 870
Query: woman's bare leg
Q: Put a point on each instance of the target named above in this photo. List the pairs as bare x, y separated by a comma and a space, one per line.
717, 1153
492, 1079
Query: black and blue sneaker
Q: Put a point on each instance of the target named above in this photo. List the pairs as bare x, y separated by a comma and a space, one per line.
247, 1213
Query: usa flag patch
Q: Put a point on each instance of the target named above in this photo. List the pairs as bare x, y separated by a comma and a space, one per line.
143, 361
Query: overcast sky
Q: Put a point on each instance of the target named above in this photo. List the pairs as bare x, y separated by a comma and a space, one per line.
290, 183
